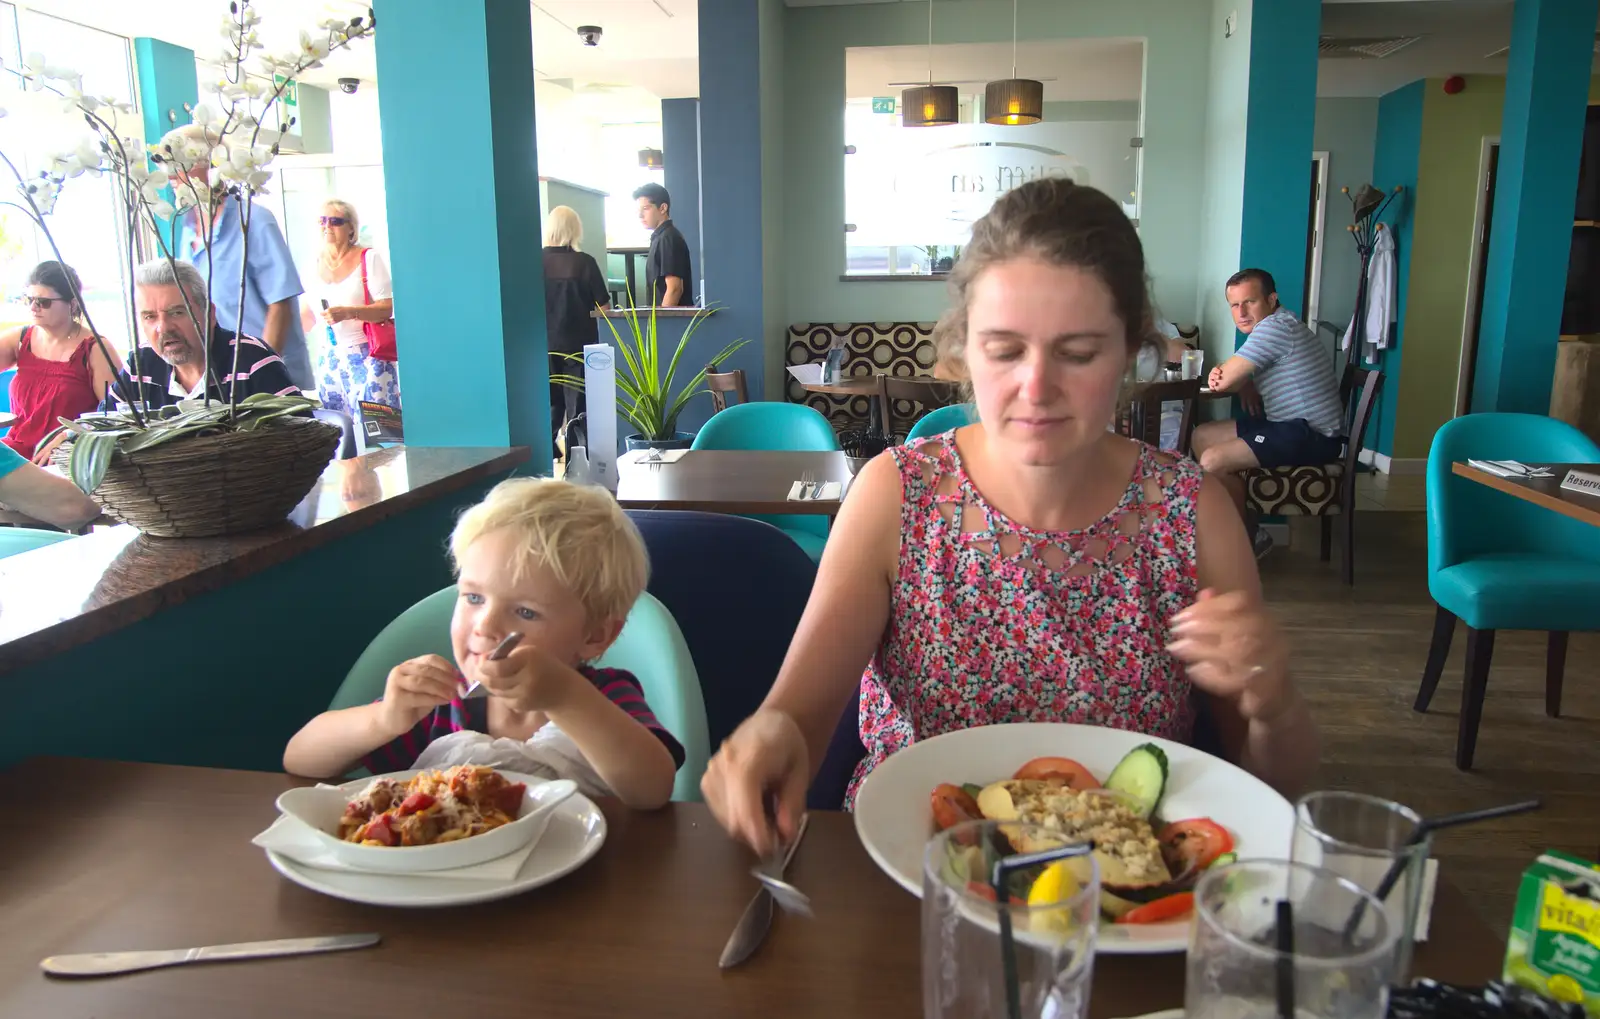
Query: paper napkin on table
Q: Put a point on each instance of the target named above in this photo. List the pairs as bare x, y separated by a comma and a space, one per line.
806, 374
1510, 469
665, 456
291, 838
1430, 878
827, 491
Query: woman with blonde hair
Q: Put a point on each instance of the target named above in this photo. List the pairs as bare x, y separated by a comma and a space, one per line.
1032, 566
574, 286
351, 288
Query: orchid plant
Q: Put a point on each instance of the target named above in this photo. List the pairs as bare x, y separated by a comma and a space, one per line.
191, 171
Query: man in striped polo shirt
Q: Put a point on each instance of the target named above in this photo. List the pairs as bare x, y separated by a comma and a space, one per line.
1300, 421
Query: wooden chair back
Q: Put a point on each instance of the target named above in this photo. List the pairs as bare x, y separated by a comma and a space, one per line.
1144, 413
723, 383
925, 391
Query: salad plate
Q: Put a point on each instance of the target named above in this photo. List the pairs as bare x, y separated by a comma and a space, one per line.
1202, 810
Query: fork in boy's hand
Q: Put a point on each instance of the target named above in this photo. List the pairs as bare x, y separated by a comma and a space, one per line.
505, 647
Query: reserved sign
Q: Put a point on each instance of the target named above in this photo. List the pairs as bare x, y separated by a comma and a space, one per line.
1582, 481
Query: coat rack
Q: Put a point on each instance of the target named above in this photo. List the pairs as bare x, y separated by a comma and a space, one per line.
1367, 206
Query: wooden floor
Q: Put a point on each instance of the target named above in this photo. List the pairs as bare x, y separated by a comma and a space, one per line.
1358, 656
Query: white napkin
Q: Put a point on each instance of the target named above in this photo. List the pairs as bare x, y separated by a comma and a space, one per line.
293, 839
1430, 877
806, 374
666, 456
827, 491
548, 753
1510, 469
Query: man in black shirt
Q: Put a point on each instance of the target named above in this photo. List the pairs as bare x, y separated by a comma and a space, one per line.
666, 268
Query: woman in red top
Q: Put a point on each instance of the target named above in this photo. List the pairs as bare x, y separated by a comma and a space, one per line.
61, 372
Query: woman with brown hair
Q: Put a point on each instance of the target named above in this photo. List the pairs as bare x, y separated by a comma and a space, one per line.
1032, 566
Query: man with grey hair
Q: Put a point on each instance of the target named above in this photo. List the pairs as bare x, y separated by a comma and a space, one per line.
272, 287
166, 293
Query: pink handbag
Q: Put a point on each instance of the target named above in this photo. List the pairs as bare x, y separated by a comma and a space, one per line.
380, 335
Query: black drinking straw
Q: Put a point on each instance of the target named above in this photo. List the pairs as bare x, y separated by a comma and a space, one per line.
1285, 933
1003, 869
1428, 826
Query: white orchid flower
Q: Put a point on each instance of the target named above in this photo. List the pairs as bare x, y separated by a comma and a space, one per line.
2, 113
315, 49
163, 209
204, 115
253, 88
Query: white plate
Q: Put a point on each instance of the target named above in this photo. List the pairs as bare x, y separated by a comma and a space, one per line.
894, 819
576, 831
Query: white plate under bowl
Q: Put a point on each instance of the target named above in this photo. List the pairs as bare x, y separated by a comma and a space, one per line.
576, 831
894, 818
321, 809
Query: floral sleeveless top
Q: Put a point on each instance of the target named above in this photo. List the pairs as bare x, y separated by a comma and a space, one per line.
992, 622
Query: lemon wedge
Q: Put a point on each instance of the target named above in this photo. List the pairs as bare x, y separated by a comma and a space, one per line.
1056, 884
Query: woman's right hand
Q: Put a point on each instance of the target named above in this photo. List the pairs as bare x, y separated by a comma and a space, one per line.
764, 761
414, 689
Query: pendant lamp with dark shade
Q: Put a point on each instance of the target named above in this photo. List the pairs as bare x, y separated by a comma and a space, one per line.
930, 105
651, 159
1013, 100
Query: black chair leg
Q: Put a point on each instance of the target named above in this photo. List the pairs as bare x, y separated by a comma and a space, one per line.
1350, 548
1327, 537
1480, 648
1555, 666
1444, 627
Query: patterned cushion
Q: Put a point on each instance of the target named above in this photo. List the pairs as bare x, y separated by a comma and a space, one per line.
871, 348
1311, 491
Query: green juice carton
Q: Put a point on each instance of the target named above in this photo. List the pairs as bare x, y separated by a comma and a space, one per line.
1554, 947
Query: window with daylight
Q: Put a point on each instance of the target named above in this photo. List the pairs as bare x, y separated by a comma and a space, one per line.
913, 193
88, 224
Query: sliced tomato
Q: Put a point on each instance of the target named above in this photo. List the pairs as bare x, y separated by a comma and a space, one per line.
415, 802
953, 805
509, 798
1062, 769
984, 890
379, 831
1162, 910
1193, 844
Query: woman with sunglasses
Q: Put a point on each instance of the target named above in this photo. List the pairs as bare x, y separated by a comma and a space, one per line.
352, 288
61, 371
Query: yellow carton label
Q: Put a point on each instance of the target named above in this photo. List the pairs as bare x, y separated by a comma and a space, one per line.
1570, 914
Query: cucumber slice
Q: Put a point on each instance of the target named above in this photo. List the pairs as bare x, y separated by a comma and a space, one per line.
1224, 860
1141, 776
972, 789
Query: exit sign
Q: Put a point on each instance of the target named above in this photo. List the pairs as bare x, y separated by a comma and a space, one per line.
291, 94
883, 104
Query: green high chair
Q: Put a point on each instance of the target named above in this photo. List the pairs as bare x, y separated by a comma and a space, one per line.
941, 420
650, 646
14, 540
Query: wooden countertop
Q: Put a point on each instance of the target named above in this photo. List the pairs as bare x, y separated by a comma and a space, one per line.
120, 856
72, 592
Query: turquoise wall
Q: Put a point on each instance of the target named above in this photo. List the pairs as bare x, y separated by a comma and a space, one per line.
224, 680
1222, 166
815, 40
1277, 168
167, 80
1346, 130
1396, 153
774, 260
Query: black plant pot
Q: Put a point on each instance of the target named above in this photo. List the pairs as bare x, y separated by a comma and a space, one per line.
679, 440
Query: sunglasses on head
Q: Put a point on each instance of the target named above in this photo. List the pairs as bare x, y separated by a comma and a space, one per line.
332, 220
39, 302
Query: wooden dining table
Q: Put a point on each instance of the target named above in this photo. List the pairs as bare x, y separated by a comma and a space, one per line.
1546, 492
731, 481
116, 856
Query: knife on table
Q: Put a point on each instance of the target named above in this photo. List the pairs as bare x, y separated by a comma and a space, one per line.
752, 927
99, 964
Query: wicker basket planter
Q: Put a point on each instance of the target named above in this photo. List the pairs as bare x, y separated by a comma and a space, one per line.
225, 483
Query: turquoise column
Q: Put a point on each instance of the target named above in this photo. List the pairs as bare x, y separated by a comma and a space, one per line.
167, 81
1396, 159
462, 187
1280, 117
1541, 134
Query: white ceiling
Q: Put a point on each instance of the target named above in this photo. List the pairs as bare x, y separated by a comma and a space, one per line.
1084, 69
651, 45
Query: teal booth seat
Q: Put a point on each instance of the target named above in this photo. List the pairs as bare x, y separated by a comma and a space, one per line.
782, 426
1497, 562
941, 420
25, 539
650, 647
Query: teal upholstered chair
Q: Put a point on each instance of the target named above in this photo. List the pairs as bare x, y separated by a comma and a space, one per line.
936, 422
1497, 562
786, 426
650, 647
25, 539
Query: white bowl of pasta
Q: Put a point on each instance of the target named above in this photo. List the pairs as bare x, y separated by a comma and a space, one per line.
412, 822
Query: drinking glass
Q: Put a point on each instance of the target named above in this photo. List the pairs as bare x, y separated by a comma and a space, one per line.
1233, 967
1193, 361
1360, 837
964, 964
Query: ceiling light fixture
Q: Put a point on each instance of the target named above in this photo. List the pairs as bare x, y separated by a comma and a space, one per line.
930, 105
1013, 100
651, 159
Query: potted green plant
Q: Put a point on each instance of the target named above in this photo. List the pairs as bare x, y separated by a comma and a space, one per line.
205, 466
646, 397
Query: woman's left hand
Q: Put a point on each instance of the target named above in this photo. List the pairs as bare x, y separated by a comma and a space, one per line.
337, 314
1233, 648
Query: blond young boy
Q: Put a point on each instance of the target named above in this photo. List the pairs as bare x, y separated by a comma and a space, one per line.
560, 564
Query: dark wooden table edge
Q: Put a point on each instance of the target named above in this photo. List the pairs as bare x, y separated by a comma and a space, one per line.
810, 507
1577, 511
98, 622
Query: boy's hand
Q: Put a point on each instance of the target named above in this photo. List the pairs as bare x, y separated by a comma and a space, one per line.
415, 688
528, 679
